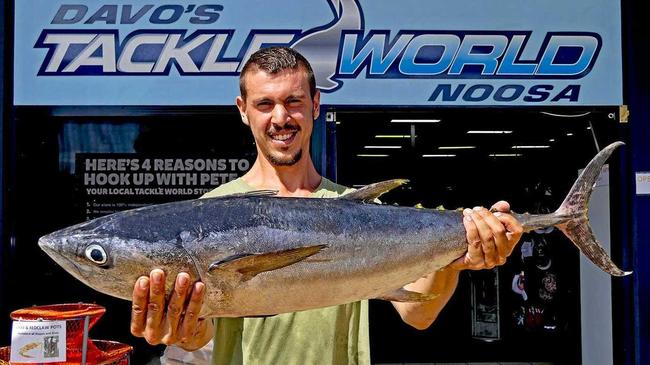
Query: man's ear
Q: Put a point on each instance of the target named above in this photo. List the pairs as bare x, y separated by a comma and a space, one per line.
316, 104
241, 105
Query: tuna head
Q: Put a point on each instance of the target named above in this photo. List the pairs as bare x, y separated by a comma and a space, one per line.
109, 262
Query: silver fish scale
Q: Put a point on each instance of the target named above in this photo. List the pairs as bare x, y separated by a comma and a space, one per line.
369, 253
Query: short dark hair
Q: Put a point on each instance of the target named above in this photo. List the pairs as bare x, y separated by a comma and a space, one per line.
273, 60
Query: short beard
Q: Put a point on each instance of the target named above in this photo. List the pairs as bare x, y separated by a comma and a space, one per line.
285, 161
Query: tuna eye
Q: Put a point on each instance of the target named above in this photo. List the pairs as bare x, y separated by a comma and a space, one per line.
96, 254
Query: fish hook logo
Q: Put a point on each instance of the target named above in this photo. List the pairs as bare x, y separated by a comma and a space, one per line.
321, 45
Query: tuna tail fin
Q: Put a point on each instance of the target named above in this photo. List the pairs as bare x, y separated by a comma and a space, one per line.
575, 208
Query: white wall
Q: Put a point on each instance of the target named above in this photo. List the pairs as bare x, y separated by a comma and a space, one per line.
595, 285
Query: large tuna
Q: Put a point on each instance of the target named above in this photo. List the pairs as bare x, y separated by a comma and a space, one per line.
262, 255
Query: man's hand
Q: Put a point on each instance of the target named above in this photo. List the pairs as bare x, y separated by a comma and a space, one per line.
178, 321
491, 237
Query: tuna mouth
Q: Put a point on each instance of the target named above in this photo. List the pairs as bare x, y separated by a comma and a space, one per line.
51, 247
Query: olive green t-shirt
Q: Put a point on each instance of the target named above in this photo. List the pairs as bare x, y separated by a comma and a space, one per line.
333, 335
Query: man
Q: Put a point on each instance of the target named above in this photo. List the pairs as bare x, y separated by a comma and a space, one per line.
279, 102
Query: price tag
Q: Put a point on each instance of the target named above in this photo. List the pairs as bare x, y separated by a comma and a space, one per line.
643, 183
38, 341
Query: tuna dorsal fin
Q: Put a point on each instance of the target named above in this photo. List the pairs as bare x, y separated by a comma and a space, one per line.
249, 265
403, 295
371, 192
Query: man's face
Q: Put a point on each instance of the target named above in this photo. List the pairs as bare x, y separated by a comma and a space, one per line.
280, 112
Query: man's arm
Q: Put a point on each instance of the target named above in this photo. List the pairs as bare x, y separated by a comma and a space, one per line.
177, 322
491, 239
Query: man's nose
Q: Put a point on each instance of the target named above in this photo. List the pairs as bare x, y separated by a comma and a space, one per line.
280, 114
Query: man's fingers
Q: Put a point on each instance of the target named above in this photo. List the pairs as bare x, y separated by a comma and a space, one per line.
160, 323
487, 237
500, 206
175, 308
514, 229
139, 306
498, 231
491, 236
474, 253
192, 311
177, 301
155, 307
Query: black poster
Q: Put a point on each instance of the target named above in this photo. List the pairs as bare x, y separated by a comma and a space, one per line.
111, 182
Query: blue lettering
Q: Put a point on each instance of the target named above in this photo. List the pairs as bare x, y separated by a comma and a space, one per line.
538, 93
489, 61
485, 91
107, 14
127, 18
504, 94
147, 52
445, 90
206, 14
570, 92
60, 17
552, 60
516, 90
465, 55
157, 15
373, 48
508, 65
449, 43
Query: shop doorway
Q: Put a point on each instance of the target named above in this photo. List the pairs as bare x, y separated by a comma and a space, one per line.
467, 157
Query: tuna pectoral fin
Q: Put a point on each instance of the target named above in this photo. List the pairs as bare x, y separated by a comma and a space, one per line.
249, 265
371, 192
403, 295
